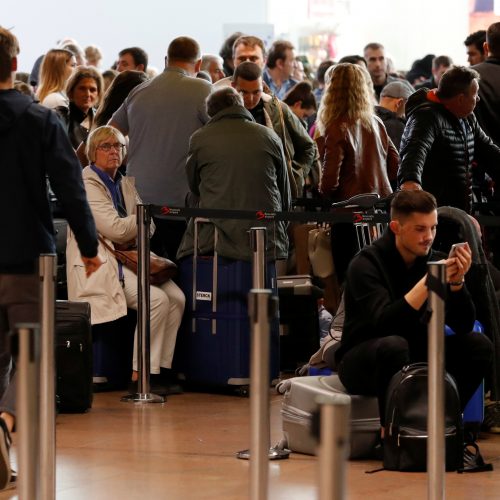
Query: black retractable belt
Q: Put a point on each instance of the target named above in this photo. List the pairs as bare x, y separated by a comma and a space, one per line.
260, 215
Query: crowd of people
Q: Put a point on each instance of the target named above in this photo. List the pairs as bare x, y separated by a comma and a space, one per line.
246, 130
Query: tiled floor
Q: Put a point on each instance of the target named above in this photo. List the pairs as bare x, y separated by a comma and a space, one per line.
186, 449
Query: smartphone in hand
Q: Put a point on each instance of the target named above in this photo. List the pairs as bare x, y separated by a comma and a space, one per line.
454, 247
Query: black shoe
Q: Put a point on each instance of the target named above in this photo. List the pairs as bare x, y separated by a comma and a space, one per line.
5, 443
154, 387
174, 388
473, 461
168, 378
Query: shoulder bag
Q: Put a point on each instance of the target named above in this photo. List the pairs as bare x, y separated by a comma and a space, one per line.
160, 268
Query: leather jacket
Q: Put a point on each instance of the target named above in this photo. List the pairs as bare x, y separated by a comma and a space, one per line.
356, 160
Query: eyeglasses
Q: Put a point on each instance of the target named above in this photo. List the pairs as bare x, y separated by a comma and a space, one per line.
108, 147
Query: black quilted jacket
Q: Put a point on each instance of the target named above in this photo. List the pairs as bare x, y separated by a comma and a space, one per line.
438, 151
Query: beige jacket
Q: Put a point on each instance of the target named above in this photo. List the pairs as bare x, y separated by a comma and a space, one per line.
103, 289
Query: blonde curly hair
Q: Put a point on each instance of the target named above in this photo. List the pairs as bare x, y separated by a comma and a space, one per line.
348, 97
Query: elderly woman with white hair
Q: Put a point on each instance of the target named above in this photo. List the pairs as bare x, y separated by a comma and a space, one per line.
113, 200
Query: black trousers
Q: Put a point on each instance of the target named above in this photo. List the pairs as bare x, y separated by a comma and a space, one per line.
367, 368
344, 247
167, 237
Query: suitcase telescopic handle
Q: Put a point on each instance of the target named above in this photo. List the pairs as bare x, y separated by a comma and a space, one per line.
202, 220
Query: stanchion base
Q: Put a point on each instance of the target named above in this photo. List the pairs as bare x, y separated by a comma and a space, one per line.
139, 397
274, 454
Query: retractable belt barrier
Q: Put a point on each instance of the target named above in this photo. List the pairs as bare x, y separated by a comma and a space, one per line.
263, 215
262, 309
352, 214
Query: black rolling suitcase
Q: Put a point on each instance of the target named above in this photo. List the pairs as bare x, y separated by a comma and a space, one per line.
73, 342
299, 322
61, 231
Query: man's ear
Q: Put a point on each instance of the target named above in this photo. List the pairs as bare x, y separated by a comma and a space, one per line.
395, 226
197, 66
140, 67
13, 64
398, 103
486, 49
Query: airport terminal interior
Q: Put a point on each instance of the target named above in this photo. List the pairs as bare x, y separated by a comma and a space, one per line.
186, 450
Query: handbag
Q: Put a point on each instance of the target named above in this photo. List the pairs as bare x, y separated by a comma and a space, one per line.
160, 269
320, 252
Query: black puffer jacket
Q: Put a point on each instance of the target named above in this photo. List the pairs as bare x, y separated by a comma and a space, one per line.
488, 108
438, 149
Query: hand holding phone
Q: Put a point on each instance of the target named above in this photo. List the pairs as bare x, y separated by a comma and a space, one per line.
454, 247
459, 262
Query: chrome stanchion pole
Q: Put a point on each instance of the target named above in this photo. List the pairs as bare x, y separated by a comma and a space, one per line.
258, 246
333, 450
28, 366
436, 457
259, 309
262, 309
47, 478
143, 394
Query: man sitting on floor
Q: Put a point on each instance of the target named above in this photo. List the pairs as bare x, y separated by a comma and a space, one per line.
386, 298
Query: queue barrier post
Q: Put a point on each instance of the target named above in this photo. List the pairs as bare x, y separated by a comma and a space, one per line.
436, 283
333, 450
47, 377
143, 394
262, 309
26, 348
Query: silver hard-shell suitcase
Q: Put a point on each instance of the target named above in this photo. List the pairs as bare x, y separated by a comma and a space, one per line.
299, 403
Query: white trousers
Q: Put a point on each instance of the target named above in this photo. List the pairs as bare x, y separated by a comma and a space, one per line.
167, 307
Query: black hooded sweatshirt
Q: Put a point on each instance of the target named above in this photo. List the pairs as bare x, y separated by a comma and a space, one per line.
34, 147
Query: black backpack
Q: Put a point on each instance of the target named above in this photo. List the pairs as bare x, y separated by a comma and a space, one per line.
405, 438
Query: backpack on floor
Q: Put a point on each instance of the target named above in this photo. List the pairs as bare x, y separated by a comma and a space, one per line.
405, 438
